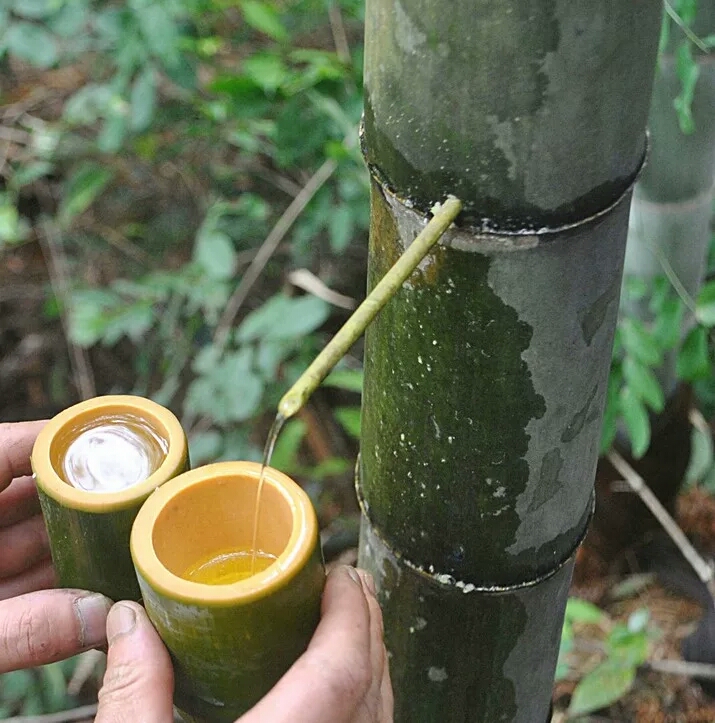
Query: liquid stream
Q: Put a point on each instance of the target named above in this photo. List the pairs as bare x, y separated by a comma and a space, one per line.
276, 427
229, 567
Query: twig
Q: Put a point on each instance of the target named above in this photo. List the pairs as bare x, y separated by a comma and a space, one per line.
14, 135
443, 216
271, 243
57, 268
689, 34
65, 716
702, 568
119, 242
308, 281
696, 418
340, 38
682, 667
87, 664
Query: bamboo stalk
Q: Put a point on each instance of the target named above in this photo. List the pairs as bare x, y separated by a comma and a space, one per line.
485, 376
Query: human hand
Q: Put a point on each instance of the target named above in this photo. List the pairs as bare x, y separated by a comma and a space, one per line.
342, 677
37, 625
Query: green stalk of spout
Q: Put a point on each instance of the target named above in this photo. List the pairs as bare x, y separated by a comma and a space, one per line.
355, 326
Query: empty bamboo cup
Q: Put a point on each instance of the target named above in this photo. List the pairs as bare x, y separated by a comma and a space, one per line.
95, 464
230, 642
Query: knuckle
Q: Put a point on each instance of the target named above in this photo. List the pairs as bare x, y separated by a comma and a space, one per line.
27, 638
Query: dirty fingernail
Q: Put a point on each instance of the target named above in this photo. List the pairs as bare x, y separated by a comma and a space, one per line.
120, 621
353, 573
369, 581
91, 611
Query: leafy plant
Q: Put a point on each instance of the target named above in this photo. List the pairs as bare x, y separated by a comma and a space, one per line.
639, 349
623, 648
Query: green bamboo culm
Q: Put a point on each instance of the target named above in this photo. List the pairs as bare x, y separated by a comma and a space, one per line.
384, 290
485, 376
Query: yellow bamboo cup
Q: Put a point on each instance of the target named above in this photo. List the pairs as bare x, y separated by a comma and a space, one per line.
230, 641
95, 464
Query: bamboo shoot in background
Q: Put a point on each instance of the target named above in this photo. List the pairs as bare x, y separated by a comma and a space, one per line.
672, 201
485, 376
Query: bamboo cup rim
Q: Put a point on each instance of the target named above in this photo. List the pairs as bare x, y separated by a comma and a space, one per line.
159, 418
295, 555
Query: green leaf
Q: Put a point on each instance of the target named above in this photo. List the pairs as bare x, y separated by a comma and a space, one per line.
285, 453
635, 287
341, 227
349, 419
16, 685
204, 447
266, 70
83, 187
32, 43
143, 99
88, 315
36, 9
215, 252
264, 18
284, 317
693, 360
9, 223
639, 342
29, 173
348, 379
636, 418
668, 323
705, 306
604, 685
609, 426
626, 646
643, 383
114, 131
582, 611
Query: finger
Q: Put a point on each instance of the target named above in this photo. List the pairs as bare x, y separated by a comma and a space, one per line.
50, 625
139, 682
16, 440
376, 709
40, 577
328, 683
22, 546
18, 501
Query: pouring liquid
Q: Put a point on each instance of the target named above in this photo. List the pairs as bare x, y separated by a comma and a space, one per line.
276, 427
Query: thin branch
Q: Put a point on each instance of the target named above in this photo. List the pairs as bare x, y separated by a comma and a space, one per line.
308, 281
702, 568
57, 269
689, 34
682, 667
65, 716
340, 38
119, 242
271, 243
696, 418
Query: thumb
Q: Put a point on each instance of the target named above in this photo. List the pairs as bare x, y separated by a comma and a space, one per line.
139, 682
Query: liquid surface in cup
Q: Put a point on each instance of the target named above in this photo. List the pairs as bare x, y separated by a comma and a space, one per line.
110, 454
229, 567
